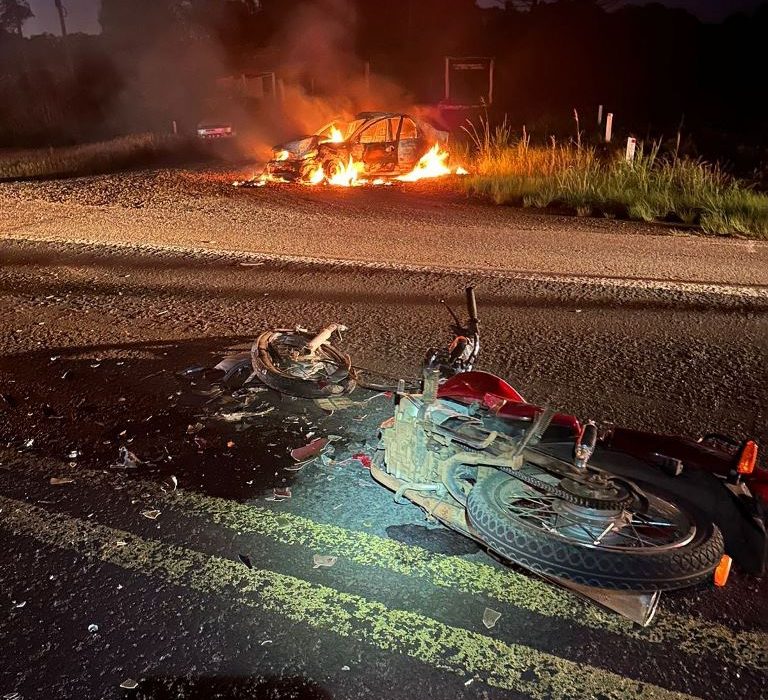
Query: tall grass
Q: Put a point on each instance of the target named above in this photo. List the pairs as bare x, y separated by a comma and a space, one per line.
137, 150
653, 187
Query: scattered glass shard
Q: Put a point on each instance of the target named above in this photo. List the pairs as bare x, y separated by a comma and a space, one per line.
490, 617
323, 560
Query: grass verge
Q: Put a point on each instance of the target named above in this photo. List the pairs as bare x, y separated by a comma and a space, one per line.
653, 187
137, 150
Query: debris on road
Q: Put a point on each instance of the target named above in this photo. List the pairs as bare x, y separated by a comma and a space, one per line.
490, 617
129, 684
151, 514
172, 483
246, 560
363, 458
299, 465
335, 403
281, 494
190, 371
126, 460
93, 628
237, 416
300, 454
323, 560
61, 481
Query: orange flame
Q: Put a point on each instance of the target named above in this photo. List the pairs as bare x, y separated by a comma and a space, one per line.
347, 175
316, 177
432, 164
334, 135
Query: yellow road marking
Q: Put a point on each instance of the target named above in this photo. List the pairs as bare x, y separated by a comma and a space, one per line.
684, 633
512, 667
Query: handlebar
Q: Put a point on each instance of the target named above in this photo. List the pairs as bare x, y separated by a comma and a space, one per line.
472, 308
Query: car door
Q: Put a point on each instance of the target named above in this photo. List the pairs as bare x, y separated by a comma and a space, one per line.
410, 145
379, 145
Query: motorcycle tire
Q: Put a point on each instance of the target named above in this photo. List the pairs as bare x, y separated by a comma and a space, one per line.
553, 555
340, 383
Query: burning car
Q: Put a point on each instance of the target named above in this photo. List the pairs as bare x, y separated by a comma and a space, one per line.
373, 146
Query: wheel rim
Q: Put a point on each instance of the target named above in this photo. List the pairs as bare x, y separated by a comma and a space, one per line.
650, 523
326, 368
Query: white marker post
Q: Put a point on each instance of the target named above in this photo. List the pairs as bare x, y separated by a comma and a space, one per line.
608, 127
600, 115
631, 146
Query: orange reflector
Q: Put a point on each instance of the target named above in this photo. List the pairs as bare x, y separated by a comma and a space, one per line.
748, 458
722, 571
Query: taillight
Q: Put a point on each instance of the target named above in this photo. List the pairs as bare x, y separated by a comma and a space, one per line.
747, 458
723, 570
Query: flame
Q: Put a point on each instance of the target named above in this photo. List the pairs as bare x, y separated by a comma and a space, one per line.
347, 175
316, 177
334, 135
432, 164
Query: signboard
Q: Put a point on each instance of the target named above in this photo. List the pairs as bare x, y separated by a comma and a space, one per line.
468, 81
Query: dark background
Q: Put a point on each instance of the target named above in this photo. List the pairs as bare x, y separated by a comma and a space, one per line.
656, 68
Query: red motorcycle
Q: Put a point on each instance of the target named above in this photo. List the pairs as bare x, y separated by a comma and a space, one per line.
597, 508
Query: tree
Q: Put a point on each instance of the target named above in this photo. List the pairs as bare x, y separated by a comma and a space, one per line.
13, 14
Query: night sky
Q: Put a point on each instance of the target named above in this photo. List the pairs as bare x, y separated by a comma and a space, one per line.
83, 14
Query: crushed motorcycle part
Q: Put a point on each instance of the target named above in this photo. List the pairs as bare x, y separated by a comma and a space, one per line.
296, 363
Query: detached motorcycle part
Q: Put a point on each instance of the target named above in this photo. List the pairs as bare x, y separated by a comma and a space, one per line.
293, 362
653, 545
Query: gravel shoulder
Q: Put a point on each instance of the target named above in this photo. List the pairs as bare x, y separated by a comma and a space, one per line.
428, 224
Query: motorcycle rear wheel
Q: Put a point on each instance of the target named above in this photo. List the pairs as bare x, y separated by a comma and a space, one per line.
493, 509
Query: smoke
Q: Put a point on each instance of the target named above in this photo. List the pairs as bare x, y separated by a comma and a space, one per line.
312, 52
321, 76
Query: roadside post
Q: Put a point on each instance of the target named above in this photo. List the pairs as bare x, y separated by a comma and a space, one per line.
600, 115
631, 147
608, 127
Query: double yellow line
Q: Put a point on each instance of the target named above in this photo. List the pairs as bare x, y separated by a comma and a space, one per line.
684, 633
468, 654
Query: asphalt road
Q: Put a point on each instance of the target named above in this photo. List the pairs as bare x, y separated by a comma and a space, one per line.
217, 596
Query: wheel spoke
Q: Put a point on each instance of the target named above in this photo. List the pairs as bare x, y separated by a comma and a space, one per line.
662, 525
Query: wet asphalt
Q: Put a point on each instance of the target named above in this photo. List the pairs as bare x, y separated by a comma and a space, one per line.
218, 595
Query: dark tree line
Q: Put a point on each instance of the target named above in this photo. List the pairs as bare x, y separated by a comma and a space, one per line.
652, 66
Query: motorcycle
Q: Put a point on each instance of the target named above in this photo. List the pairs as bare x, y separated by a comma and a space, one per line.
614, 514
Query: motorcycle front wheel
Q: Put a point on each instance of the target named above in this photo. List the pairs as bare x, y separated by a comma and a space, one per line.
654, 543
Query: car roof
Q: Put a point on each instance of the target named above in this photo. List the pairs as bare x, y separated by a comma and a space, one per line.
378, 115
